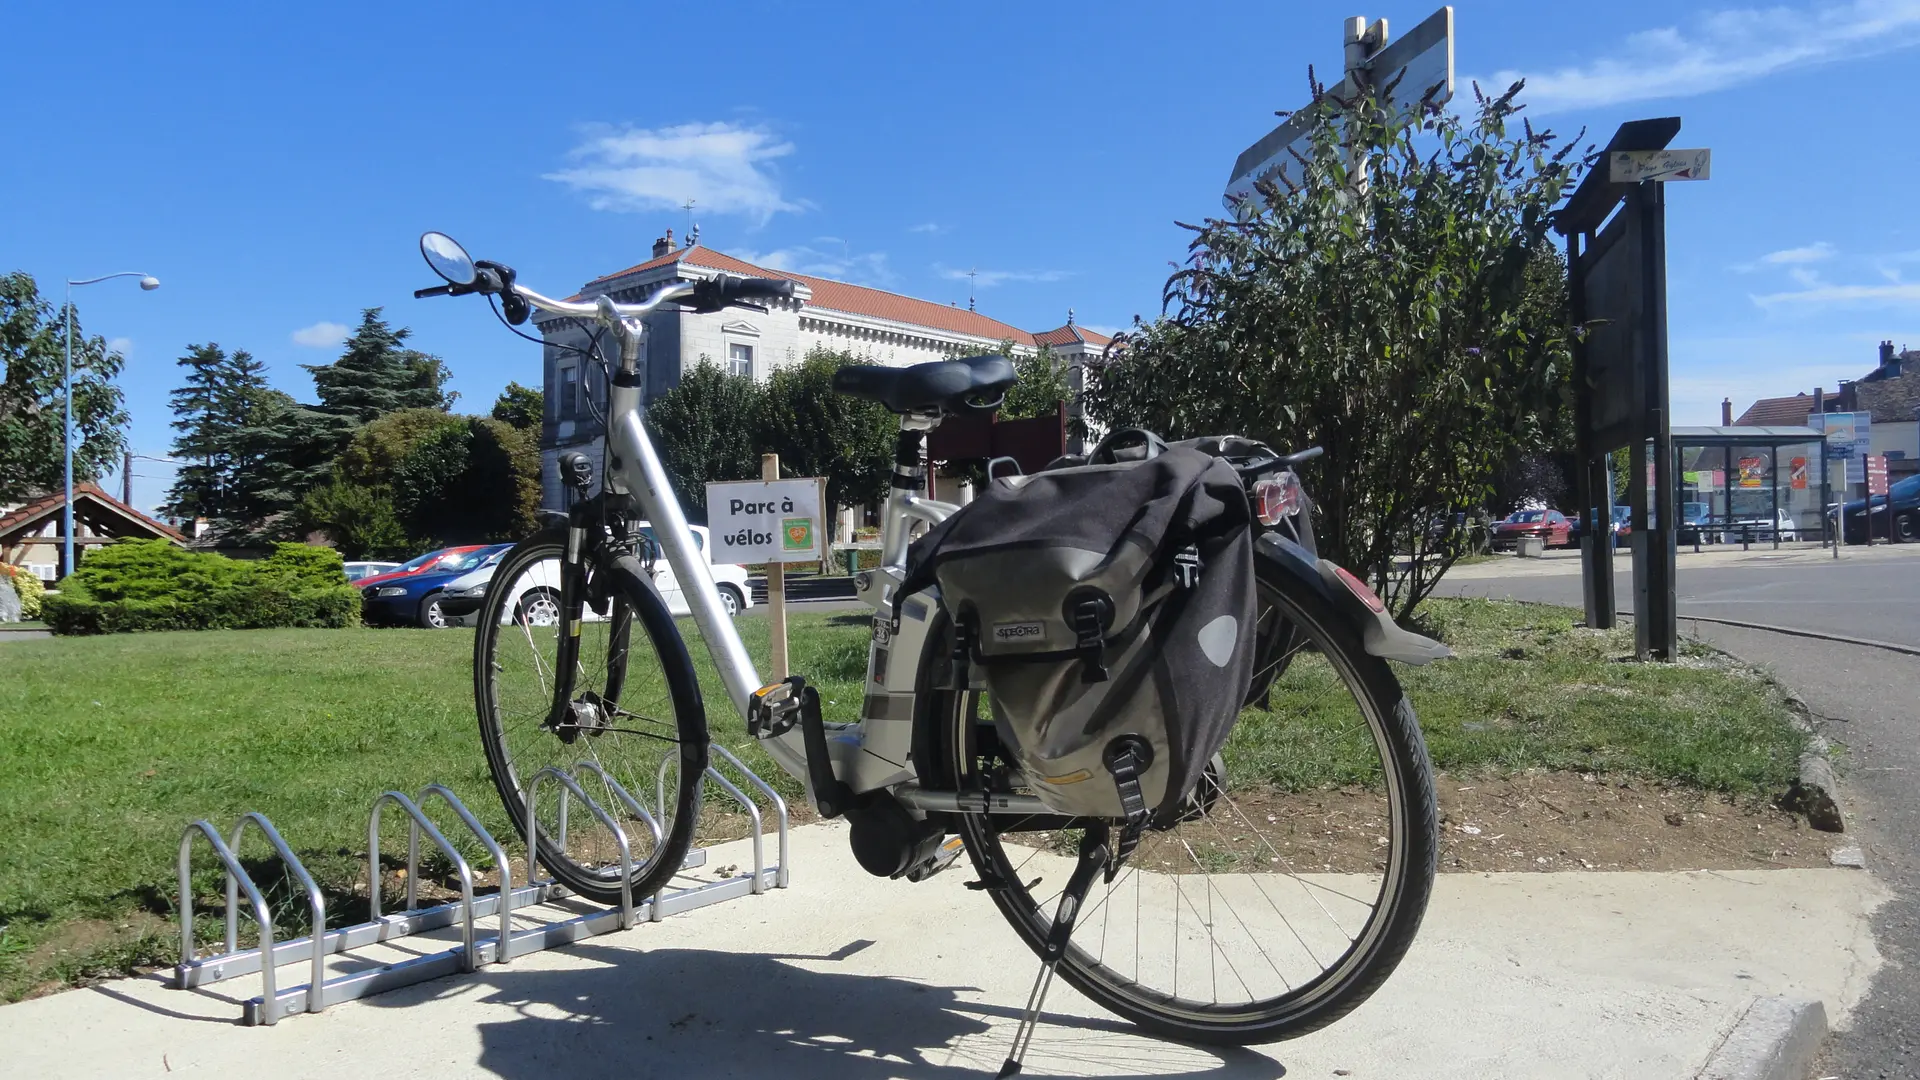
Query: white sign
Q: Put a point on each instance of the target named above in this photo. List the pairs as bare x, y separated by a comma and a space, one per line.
1633, 166
1421, 61
1849, 437
765, 521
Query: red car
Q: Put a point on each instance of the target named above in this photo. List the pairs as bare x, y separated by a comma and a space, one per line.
1550, 525
419, 564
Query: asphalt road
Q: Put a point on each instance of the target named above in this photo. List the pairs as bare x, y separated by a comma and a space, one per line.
1869, 701
1877, 599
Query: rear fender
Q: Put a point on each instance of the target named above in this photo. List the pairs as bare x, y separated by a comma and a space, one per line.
1379, 634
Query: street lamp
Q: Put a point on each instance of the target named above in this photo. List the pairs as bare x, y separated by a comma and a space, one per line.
148, 283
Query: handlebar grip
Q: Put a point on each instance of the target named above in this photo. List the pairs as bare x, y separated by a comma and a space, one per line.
757, 288
437, 290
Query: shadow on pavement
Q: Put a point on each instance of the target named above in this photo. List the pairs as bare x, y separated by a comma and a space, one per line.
686, 1012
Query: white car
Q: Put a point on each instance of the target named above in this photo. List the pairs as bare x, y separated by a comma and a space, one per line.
1759, 528
357, 571
537, 592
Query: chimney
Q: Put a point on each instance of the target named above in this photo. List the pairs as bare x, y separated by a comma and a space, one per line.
1819, 400
1726, 412
1886, 352
663, 245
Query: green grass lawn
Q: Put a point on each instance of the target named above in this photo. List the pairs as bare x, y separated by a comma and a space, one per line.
109, 745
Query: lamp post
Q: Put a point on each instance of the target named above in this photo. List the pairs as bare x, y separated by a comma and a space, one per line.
147, 283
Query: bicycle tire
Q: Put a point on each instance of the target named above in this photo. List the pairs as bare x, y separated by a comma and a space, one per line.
1388, 934
639, 629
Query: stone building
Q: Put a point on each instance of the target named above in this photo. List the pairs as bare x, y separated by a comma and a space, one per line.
881, 326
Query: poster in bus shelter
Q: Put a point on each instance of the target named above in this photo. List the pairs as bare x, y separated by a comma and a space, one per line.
1797, 473
1753, 472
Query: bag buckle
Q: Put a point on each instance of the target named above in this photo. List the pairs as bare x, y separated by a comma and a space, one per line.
1088, 636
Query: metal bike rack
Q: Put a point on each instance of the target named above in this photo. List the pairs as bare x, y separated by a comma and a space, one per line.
476, 948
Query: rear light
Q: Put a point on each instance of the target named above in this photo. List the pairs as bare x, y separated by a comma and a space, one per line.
1277, 498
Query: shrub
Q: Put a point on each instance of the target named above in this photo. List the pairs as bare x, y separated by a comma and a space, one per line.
154, 585
26, 585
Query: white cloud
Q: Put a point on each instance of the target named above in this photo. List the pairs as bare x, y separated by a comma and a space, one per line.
1790, 256
320, 335
987, 279
1719, 50
931, 228
866, 268
1819, 295
724, 168
121, 345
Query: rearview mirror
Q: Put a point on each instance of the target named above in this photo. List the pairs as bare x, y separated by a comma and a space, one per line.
447, 258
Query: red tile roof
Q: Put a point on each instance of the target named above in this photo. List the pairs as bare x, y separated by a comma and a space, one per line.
46, 504
1070, 334
1777, 412
851, 299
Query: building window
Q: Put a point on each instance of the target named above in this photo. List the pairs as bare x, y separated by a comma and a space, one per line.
45, 571
569, 393
740, 360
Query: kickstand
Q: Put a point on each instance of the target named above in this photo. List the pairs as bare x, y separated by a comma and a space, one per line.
1093, 858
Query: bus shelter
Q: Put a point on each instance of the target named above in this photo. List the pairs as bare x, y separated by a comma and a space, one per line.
1737, 481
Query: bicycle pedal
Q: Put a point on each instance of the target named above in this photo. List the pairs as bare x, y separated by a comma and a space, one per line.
774, 709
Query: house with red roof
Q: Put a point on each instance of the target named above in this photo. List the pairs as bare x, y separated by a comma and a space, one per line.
32, 536
882, 327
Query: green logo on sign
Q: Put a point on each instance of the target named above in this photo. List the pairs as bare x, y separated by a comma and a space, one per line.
796, 534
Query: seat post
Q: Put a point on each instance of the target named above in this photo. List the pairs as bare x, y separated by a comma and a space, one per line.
909, 478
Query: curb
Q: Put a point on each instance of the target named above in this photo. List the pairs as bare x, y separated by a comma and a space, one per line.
1813, 790
1873, 643
1776, 1038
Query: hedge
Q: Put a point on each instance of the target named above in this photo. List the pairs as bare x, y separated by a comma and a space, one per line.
155, 585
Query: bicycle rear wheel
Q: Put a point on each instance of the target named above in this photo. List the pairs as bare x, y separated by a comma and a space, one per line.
1291, 887
632, 716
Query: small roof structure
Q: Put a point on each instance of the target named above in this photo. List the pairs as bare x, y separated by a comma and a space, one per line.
32, 532
1760, 435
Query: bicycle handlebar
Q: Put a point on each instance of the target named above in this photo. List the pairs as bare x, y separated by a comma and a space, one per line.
711, 294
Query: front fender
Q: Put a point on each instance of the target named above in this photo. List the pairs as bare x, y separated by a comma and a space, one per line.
1351, 598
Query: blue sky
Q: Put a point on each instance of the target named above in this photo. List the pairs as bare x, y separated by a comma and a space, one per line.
273, 164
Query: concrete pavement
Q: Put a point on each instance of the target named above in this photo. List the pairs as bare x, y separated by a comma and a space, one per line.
844, 975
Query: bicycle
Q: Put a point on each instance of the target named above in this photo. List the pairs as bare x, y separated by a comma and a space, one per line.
1246, 920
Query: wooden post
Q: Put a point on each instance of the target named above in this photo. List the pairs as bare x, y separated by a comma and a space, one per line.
776, 591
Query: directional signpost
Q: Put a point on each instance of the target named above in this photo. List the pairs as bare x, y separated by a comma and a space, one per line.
1877, 485
771, 521
1633, 166
1422, 61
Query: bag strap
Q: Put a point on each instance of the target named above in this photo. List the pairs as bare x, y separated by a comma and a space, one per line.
1126, 758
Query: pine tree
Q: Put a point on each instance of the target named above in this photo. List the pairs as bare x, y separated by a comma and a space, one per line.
197, 488
375, 375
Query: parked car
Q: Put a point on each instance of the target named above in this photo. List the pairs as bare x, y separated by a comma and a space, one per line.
537, 594
360, 571
1695, 517
1760, 527
417, 599
1905, 497
1550, 525
419, 564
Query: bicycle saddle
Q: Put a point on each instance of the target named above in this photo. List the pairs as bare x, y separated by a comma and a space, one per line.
951, 386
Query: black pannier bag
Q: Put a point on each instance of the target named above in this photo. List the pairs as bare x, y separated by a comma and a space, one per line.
1111, 609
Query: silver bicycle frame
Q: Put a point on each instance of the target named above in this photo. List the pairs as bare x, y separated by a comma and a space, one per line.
634, 469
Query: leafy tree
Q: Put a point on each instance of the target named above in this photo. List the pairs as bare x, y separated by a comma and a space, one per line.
33, 404
520, 406
706, 430
1042, 386
818, 432
474, 481
358, 518
1417, 331
374, 453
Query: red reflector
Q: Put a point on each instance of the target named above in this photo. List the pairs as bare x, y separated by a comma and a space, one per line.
1359, 589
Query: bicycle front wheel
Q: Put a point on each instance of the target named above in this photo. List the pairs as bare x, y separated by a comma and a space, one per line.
625, 718
1293, 884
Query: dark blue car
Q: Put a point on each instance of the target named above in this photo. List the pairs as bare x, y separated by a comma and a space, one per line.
1903, 520
414, 599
